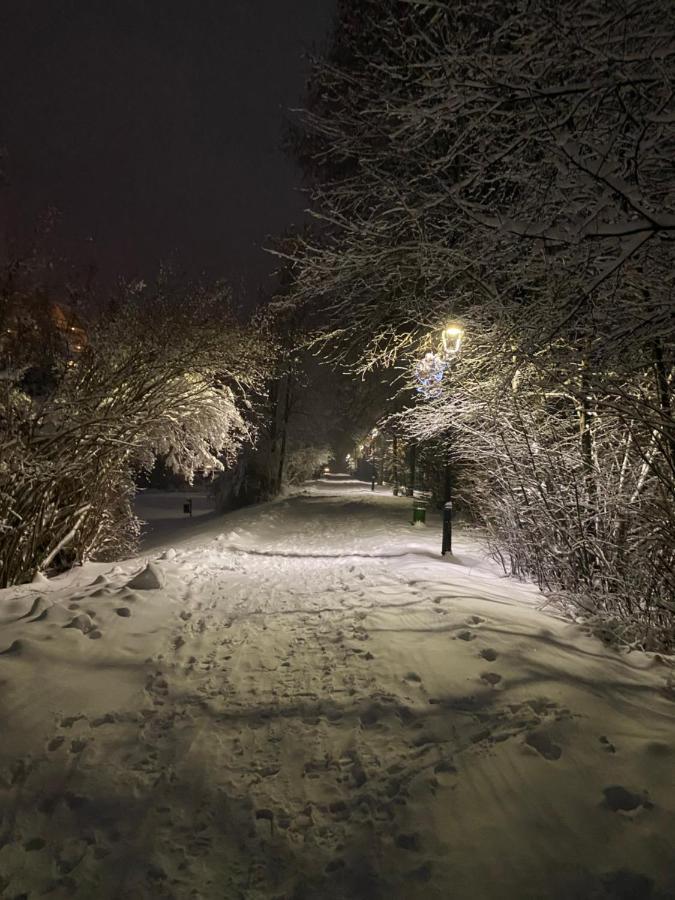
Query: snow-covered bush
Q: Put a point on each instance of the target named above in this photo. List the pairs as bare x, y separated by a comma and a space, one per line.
566, 459
302, 463
154, 372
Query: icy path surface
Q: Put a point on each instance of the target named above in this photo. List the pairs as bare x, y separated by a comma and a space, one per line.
304, 700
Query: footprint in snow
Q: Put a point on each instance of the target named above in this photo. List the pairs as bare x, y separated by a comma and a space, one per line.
542, 743
107, 719
409, 842
489, 654
620, 799
369, 718
34, 844
82, 622
334, 865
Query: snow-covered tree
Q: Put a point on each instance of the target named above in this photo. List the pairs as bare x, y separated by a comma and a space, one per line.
156, 372
472, 149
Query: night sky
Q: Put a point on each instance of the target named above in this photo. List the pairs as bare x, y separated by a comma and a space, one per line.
155, 127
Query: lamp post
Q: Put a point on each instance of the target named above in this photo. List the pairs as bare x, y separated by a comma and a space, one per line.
412, 459
373, 457
430, 372
383, 454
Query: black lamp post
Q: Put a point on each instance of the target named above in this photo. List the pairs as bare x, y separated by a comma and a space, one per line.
430, 372
446, 546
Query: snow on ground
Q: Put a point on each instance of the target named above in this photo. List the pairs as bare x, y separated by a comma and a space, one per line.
303, 699
163, 516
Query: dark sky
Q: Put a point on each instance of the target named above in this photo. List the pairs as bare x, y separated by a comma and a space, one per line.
154, 126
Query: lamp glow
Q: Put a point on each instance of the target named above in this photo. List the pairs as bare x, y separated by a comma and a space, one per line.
430, 370
452, 337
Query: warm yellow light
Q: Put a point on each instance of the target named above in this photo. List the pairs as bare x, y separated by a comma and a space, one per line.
452, 337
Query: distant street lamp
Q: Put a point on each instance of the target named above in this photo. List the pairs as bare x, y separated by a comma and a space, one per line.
378, 472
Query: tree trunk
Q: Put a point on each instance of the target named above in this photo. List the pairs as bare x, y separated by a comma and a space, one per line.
286, 414
664, 393
590, 520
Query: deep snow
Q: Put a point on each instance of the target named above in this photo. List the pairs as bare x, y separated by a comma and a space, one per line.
303, 699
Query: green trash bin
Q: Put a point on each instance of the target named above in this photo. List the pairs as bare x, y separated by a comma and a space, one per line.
419, 516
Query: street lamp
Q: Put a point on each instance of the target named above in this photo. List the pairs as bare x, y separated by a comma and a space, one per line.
452, 338
431, 369
429, 372
373, 476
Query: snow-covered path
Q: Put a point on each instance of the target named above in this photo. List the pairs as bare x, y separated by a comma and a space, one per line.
305, 700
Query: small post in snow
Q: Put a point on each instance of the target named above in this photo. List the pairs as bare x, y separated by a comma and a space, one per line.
187, 507
372, 481
447, 528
